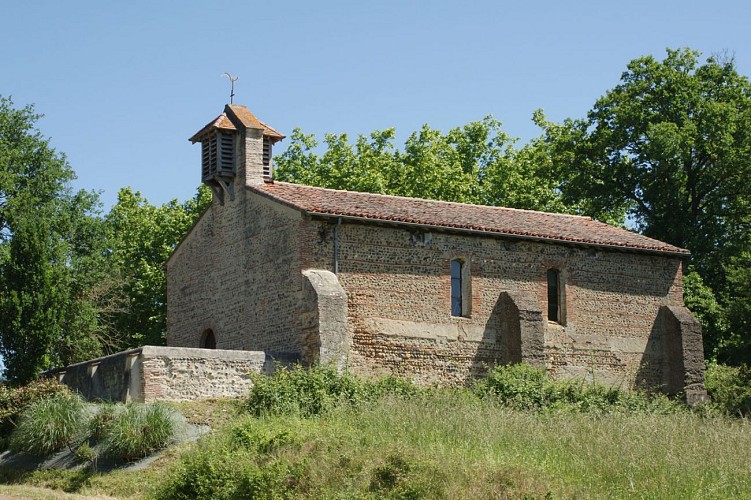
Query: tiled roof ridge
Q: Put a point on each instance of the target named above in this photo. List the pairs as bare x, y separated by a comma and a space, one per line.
520, 223
269, 128
452, 203
246, 118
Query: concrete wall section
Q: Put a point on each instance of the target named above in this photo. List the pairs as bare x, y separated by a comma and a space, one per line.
109, 378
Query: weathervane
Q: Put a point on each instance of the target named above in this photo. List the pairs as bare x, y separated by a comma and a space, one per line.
232, 80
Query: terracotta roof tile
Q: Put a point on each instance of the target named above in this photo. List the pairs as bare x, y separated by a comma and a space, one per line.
221, 121
440, 214
246, 119
243, 114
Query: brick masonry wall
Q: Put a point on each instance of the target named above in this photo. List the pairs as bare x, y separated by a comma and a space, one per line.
398, 286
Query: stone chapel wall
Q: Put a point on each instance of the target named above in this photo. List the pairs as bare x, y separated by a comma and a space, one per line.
237, 273
398, 286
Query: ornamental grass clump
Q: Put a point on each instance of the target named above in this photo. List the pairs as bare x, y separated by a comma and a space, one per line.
13, 400
138, 431
50, 424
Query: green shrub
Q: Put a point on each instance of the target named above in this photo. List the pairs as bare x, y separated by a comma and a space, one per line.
524, 387
252, 435
235, 463
519, 386
309, 392
85, 453
47, 425
102, 421
406, 478
729, 388
14, 399
138, 431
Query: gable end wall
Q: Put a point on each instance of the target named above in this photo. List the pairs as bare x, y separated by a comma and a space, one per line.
238, 273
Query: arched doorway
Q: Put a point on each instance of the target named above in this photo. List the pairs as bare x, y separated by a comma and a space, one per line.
208, 340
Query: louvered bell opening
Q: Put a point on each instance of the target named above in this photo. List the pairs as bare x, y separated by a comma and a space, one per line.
226, 158
208, 158
205, 161
266, 158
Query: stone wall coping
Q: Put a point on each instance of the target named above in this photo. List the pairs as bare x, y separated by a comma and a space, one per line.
153, 351
94, 361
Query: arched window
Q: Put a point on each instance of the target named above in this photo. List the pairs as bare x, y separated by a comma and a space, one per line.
208, 341
554, 296
460, 288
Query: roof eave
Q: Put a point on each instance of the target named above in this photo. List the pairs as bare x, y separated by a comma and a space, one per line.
496, 234
680, 253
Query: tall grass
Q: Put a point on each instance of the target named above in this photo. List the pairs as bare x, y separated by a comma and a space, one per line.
137, 431
449, 444
13, 400
63, 419
48, 425
444, 443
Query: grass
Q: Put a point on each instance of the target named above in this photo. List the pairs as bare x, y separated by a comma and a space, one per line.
448, 444
47, 425
357, 439
137, 431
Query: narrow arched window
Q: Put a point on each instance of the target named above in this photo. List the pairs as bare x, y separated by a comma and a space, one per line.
460, 291
554, 295
208, 341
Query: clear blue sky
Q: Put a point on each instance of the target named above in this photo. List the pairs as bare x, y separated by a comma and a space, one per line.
124, 84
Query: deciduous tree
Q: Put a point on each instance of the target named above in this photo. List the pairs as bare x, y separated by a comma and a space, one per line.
671, 144
47, 234
476, 163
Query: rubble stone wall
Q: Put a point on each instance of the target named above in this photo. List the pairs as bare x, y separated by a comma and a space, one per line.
153, 373
238, 274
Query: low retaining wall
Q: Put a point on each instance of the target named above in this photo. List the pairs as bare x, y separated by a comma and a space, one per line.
153, 373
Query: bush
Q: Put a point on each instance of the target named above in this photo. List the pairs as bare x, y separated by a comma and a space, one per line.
47, 425
729, 388
237, 462
310, 392
138, 431
402, 477
14, 399
102, 421
519, 386
524, 387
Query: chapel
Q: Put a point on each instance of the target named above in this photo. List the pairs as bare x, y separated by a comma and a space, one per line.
430, 290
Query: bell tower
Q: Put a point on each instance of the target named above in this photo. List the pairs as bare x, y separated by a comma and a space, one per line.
235, 151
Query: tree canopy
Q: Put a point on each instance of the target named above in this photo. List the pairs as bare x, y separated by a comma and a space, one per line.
667, 151
671, 145
75, 284
49, 237
476, 163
